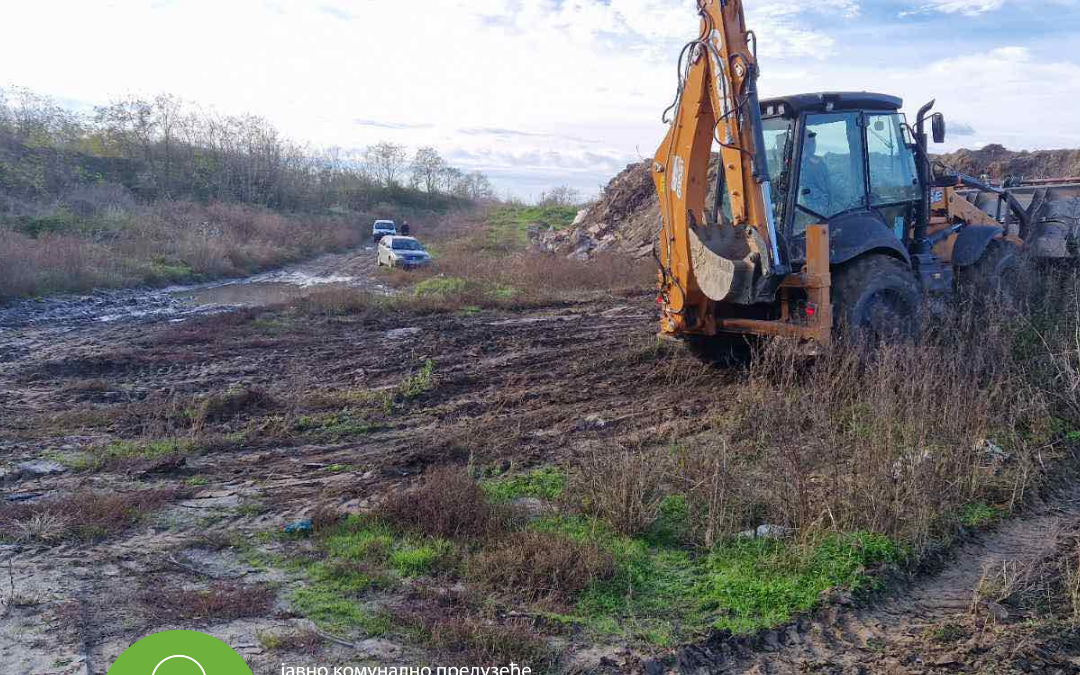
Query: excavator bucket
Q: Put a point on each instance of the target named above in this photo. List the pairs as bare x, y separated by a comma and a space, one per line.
721, 260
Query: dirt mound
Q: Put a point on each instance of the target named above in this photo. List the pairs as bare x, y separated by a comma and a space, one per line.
624, 219
999, 163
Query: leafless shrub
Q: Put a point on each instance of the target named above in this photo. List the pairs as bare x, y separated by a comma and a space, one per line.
84, 516
621, 486
484, 642
540, 566
447, 503
166, 603
325, 517
1070, 577
719, 489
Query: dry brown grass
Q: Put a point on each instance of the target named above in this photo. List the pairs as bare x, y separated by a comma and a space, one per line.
1045, 588
621, 486
84, 516
225, 406
540, 566
483, 642
301, 640
221, 602
892, 440
169, 241
447, 503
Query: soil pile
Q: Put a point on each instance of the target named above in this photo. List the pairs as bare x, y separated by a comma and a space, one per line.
999, 163
624, 219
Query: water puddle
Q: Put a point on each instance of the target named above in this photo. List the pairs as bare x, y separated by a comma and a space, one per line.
175, 303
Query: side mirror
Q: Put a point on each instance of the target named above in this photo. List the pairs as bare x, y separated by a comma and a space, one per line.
938, 125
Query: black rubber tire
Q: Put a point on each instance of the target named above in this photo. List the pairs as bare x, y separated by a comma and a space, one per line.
719, 349
876, 298
994, 275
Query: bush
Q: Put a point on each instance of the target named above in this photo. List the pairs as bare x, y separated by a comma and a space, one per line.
84, 516
448, 503
541, 566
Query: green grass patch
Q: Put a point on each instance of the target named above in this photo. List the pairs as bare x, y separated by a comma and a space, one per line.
543, 483
510, 224
980, 514
357, 556
663, 593
328, 609
334, 426
759, 583
420, 382
440, 287
124, 451
414, 559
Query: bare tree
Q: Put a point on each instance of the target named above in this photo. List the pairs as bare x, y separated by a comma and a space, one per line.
563, 195
386, 161
479, 187
427, 165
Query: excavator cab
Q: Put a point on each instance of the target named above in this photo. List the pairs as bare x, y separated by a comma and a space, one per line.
846, 160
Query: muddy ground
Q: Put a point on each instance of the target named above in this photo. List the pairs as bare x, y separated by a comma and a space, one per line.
511, 389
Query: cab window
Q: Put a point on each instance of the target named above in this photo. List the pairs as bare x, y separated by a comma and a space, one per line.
831, 176
778, 133
892, 164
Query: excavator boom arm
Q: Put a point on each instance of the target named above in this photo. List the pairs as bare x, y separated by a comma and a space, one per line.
703, 261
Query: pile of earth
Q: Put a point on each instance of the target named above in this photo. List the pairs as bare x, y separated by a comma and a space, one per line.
999, 163
625, 219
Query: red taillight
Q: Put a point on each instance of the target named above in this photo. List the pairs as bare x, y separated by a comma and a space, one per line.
811, 311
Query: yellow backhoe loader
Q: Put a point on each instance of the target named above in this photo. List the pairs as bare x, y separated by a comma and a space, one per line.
828, 212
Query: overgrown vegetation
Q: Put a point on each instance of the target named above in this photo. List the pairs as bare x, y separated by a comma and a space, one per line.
85, 516
511, 223
571, 568
159, 191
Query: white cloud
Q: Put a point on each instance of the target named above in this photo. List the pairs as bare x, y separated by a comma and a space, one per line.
965, 7
1005, 95
577, 86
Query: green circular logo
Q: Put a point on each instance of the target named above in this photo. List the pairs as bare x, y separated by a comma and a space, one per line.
180, 652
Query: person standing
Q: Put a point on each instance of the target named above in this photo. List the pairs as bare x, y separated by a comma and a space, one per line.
405, 228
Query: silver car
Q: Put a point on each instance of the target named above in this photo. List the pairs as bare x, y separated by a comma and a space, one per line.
383, 228
402, 252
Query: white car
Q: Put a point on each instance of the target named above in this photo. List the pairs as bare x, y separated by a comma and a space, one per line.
404, 252
383, 228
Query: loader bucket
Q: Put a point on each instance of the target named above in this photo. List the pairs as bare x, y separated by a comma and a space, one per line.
1053, 207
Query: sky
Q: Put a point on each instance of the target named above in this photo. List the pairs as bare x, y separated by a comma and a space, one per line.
538, 93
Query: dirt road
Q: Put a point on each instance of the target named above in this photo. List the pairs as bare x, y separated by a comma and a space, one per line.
520, 388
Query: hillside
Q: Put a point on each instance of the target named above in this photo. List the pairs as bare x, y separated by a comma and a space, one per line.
159, 191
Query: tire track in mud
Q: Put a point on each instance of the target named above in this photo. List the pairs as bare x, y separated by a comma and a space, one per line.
887, 637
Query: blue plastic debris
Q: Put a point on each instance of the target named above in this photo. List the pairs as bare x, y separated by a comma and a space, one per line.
300, 526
